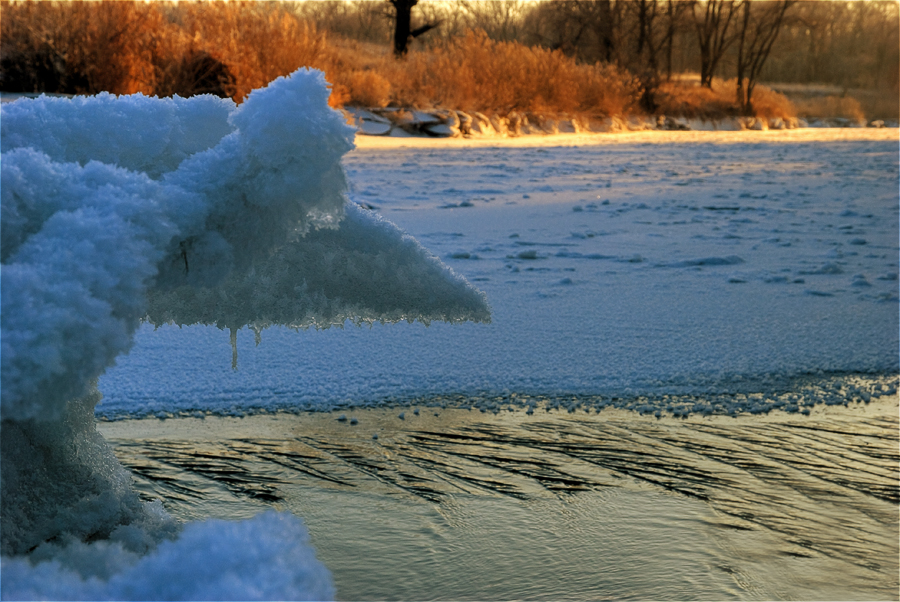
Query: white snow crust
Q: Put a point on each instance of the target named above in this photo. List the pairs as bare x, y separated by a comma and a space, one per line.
147, 135
668, 272
264, 558
185, 211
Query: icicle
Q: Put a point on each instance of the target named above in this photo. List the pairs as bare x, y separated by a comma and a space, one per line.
234, 349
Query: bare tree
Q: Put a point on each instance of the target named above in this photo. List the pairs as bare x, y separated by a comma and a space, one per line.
606, 18
589, 30
644, 46
500, 19
556, 25
635, 34
354, 19
403, 31
714, 33
675, 21
642, 60
758, 31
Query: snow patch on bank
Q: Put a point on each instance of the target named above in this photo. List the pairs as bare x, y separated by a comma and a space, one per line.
447, 123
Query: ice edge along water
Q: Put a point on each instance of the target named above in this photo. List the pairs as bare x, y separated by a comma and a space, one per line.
191, 211
667, 273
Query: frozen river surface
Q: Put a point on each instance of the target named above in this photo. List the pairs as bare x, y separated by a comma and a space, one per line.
624, 267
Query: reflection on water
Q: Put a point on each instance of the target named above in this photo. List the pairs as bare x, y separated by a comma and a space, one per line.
456, 504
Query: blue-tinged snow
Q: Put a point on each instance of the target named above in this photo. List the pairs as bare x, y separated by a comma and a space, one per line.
755, 270
264, 558
186, 211
143, 134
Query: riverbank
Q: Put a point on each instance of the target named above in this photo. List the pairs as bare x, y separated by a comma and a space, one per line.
393, 122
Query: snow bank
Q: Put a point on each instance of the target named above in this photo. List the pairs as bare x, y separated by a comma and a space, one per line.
446, 123
264, 558
149, 135
198, 211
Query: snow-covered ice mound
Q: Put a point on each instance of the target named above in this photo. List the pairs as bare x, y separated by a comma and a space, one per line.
194, 211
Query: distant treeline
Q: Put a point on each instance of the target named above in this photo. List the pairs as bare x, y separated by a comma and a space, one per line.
849, 44
597, 57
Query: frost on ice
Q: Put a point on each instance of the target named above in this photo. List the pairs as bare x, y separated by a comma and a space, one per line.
186, 211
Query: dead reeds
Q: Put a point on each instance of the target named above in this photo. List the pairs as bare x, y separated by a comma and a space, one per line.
686, 98
231, 48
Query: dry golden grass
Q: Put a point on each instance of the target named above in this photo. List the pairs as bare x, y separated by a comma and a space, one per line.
357, 73
231, 48
363, 88
768, 103
234, 47
688, 99
475, 73
127, 47
824, 107
258, 41
90, 47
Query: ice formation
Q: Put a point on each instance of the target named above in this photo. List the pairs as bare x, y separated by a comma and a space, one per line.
264, 558
189, 211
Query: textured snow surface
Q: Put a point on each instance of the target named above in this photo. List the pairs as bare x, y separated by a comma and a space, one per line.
264, 558
756, 270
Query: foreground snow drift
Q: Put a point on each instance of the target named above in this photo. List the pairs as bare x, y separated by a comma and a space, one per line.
264, 558
198, 212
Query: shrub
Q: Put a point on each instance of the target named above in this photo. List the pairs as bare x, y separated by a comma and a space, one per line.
768, 103
231, 48
195, 73
125, 47
476, 73
362, 88
823, 107
689, 99
686, 98
258, 41
77, 47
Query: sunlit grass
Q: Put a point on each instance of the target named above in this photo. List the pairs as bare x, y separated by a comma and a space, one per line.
686, 98
232, 48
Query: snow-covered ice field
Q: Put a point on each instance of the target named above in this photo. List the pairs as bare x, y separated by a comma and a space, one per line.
755, 269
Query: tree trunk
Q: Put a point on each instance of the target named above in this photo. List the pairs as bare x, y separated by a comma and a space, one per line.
403, 31
757, 36
713, 35
402, 25
670, 36
605, 28
742, 101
